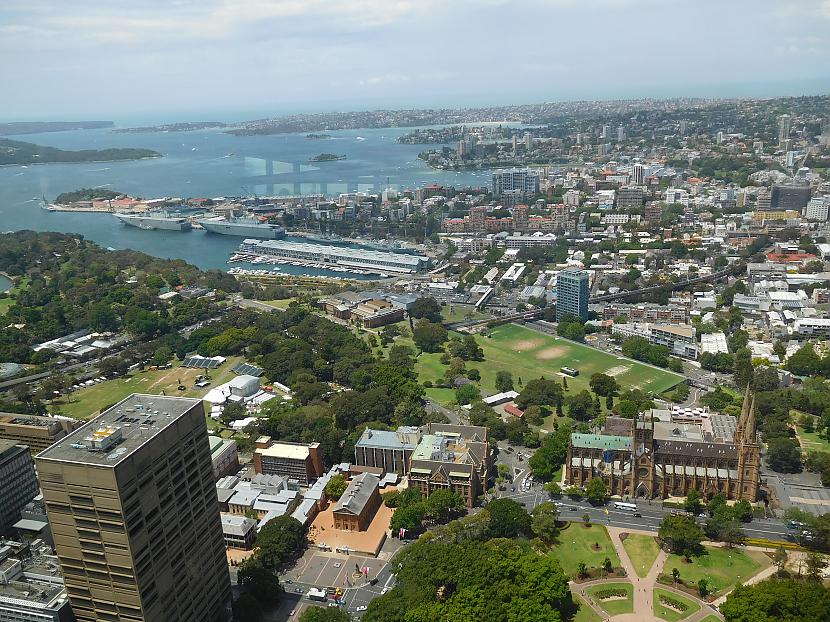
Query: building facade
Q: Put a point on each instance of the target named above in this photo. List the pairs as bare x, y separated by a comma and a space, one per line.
133, 508
387, 450
524, 182
572, 292
658, 459
34, 431
298, 461
18, 483
358, 504
452, 457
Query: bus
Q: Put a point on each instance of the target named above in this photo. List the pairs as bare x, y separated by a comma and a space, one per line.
627, 507
317, 594
570, 371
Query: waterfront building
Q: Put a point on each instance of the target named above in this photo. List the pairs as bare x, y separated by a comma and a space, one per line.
650, 458
301, 462
572, 291
133, 508
324, 255
18, 483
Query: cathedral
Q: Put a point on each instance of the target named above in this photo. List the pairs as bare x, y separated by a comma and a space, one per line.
666, 454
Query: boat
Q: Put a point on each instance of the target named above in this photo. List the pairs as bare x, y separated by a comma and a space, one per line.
242, 227
155, 221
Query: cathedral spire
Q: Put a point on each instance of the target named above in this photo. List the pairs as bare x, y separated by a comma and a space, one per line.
749, 427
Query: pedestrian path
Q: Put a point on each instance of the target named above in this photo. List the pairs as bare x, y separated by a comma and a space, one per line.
643, 588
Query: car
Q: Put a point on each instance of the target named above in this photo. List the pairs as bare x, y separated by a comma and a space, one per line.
361, 608
512, 489
510, 450
289, 581
337, 564
573, 508
333, 605
637, 515
384, 590
292, 612
298, 590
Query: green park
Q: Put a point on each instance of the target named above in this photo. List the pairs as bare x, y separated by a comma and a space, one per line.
614, 598
642, 550
672, 607
529, 354
721, 567
587, 544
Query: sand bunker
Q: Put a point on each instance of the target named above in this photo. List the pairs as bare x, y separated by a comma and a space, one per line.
526, 344
553, 352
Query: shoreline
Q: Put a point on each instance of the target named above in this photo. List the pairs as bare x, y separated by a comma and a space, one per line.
12, 282
28, 164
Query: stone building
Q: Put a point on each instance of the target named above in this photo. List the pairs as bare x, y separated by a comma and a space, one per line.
652, 458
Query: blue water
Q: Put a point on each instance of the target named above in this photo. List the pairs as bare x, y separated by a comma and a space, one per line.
5, 284
207, 164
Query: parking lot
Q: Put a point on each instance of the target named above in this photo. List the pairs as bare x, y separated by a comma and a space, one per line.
331, 570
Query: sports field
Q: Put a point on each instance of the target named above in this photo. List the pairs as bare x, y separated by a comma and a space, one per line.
529, 354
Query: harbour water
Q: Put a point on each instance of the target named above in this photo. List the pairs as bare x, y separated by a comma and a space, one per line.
5, 284
208, 164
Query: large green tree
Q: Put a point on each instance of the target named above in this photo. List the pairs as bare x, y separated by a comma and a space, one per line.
778, 601
681, 535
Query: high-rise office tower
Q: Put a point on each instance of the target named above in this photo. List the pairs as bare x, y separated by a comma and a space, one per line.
133, 509
18, 483
784, 127
621, 133
794, 195
606, 129
572, 294
638, 174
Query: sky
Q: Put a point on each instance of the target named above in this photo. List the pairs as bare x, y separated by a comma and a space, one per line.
177, 60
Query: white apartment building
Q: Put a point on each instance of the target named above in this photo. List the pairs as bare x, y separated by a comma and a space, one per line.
817, 209
678, 338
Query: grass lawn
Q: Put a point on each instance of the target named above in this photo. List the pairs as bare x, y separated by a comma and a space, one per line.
721, 567
459, 313
585, 613
667, 613
528, 354
642, 551
576, 544
19, 285
810, 441
711, 619
89, 401
614, 606
279, 304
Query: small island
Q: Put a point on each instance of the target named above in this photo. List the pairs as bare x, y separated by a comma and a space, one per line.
327, 157
318, 136
14, 152
87, 194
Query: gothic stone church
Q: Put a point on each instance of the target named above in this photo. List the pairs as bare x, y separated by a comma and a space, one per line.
653, 458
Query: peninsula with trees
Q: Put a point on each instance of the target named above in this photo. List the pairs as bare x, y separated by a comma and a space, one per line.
14, 152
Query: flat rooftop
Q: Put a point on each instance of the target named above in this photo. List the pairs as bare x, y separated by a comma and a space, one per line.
116, 433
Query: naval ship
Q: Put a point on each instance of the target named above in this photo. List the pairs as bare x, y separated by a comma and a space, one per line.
155, 221
243, 227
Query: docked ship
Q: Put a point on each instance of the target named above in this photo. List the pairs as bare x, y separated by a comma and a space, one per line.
243, 227
155, 221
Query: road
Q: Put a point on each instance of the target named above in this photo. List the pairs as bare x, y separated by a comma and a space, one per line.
652, 512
